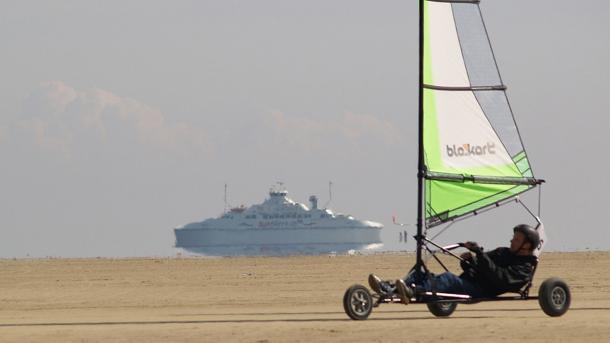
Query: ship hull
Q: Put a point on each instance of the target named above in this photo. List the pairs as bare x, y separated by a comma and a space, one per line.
272, 241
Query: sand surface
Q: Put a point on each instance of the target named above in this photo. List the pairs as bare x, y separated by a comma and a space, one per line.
293, 299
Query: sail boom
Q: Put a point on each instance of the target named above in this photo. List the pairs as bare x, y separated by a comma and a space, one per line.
497, 180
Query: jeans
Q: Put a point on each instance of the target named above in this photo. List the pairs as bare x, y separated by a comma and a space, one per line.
446, 283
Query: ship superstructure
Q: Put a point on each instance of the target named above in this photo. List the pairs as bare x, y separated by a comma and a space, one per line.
278, 226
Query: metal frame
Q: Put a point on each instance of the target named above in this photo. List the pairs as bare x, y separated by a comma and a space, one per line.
428, 297
421, 166
420, 265
448, 298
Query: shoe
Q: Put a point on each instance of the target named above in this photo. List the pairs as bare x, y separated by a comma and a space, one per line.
380, 286
405, 293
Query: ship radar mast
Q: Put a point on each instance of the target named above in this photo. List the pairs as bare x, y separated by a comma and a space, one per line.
226, 204
330, 194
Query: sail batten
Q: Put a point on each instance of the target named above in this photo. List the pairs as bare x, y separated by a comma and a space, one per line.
472, 88
473, 152
458, 1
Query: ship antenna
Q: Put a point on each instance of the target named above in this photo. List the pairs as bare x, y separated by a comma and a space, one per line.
330, 194
225, 210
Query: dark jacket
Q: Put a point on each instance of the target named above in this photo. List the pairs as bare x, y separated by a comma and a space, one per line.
500, 271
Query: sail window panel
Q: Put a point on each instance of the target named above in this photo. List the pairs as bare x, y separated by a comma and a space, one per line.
445, 64
475, 47
524, 167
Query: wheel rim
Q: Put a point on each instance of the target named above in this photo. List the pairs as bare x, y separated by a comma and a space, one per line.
558, 297
445, 306
360, 302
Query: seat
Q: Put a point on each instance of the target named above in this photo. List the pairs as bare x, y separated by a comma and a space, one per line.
524, 291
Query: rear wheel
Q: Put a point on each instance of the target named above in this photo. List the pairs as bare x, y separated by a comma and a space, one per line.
358, 302
554, 297
442, 309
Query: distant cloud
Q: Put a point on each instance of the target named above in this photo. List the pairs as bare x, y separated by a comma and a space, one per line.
362, 127
60, 118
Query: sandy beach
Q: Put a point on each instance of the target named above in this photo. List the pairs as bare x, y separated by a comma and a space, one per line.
272, 300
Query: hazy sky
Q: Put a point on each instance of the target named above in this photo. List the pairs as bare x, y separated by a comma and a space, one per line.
120, 120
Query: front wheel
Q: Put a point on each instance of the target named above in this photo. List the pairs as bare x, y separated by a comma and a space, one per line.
442, 309
554, 297
358, 302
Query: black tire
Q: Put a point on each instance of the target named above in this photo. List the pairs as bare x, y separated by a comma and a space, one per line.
442, 309
358, 302
554, 297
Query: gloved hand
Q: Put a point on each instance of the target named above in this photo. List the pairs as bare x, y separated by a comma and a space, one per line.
468, 262
473, 246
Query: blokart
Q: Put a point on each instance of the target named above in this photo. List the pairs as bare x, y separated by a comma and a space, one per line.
471, 157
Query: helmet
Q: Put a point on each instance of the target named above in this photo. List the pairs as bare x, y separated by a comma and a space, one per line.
531, 234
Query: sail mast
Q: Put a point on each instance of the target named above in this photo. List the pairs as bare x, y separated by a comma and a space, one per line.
420, 154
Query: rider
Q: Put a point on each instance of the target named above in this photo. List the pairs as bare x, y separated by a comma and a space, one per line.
486, 274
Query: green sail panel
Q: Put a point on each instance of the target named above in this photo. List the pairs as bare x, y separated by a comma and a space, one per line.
447, 200
473, 152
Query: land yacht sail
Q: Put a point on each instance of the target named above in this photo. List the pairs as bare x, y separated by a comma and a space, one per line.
473, 155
